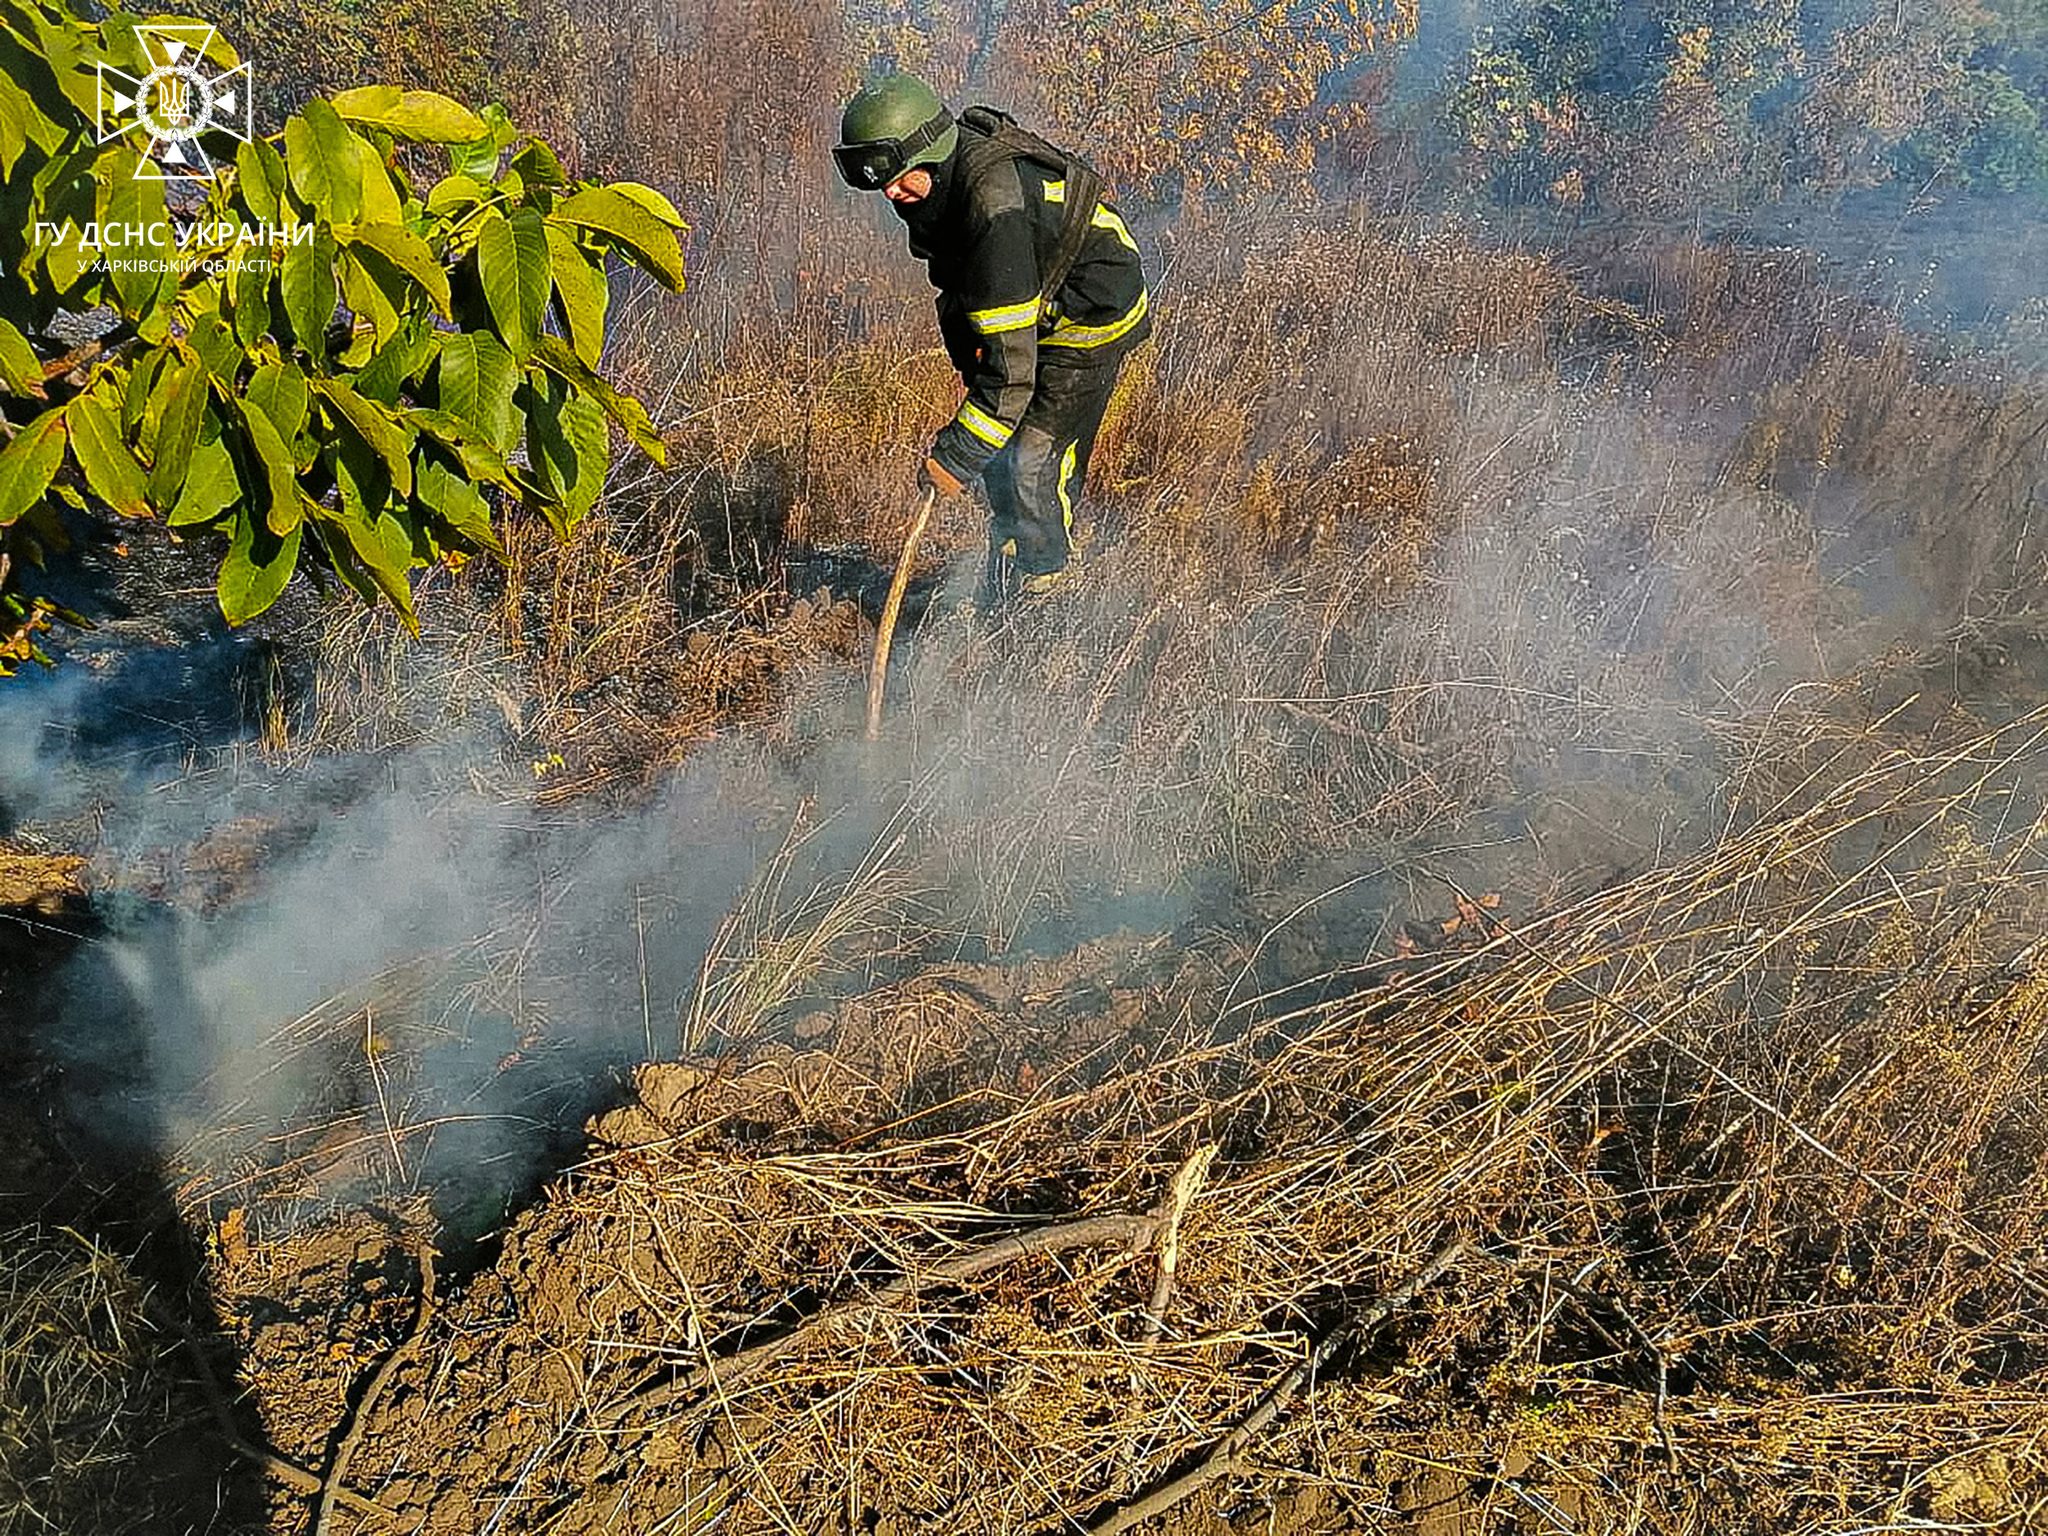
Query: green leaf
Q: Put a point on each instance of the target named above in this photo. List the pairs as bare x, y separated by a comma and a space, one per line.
514, 268
377, 428
538, 167
331, 541
258, 564
476, 160
481, 462
308, 285
453, 193
72, 52
14, 117
182, 391
40, 129
459, 504
278, 389
381, 203
401, 359
382, 558
211, 486
136, 403
20, 369
476, 381
499, 121
252, 304
641, 234
425, 116
216, 346
29, 463
652, 201
367, 299
281, 502
67, 189
324, 163
128, 201
581, 293
111, 472
629, 413
405, 253
260, 175
568, 446
536, 269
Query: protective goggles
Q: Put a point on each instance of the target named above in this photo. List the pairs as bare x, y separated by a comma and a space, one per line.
871, 165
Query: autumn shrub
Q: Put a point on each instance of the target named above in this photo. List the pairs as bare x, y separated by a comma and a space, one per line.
1730, 103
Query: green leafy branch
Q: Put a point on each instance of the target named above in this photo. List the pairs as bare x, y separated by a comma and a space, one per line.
321, 362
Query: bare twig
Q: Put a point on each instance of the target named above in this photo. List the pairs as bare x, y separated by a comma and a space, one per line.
1187, 1183
1221, 1461
330, 1488
1087, 1232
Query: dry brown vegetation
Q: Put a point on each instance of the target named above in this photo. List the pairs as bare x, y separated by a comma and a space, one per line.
1542, 755
83, 1390
1731, 1096
1743, 1155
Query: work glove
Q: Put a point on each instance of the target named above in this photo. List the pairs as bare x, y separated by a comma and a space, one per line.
935, 477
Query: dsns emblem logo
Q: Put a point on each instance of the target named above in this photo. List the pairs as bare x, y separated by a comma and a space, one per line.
179, 99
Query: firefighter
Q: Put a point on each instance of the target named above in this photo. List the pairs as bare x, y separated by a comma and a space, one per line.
1041, 296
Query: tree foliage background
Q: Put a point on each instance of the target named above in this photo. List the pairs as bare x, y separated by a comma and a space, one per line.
1679, 103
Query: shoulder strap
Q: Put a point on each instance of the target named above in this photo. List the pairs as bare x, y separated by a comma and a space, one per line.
1084, 187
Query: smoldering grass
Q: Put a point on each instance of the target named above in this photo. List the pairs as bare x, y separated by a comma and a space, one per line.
1749, 1100
783, 937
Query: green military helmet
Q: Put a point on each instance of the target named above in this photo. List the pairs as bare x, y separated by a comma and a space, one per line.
895, 123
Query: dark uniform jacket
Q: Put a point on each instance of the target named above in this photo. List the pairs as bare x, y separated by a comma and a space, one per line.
987, 232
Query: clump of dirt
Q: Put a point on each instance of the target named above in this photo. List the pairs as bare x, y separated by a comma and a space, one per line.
934, 1049
313, 1308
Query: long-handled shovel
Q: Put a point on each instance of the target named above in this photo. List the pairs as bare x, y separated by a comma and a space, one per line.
878, 676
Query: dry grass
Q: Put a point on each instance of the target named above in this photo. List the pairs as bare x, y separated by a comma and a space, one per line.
776, 945
80, 1385
1621, 562
1747, 1148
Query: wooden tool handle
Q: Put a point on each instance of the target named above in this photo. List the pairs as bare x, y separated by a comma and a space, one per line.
878, 676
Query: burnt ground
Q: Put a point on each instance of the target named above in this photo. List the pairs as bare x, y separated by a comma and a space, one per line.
62, 1185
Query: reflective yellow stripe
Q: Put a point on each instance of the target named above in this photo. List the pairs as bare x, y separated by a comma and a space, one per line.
1011, 317
1066, 495
1065, 335
1108, 218
1055, 191
983, 425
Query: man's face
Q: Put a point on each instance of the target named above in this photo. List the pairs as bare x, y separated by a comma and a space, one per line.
913, 186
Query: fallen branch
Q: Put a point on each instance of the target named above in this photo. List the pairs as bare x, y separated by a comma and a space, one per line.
287, 1472
331, 1490
1224, 1459
1187, 1183
1088, 1232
